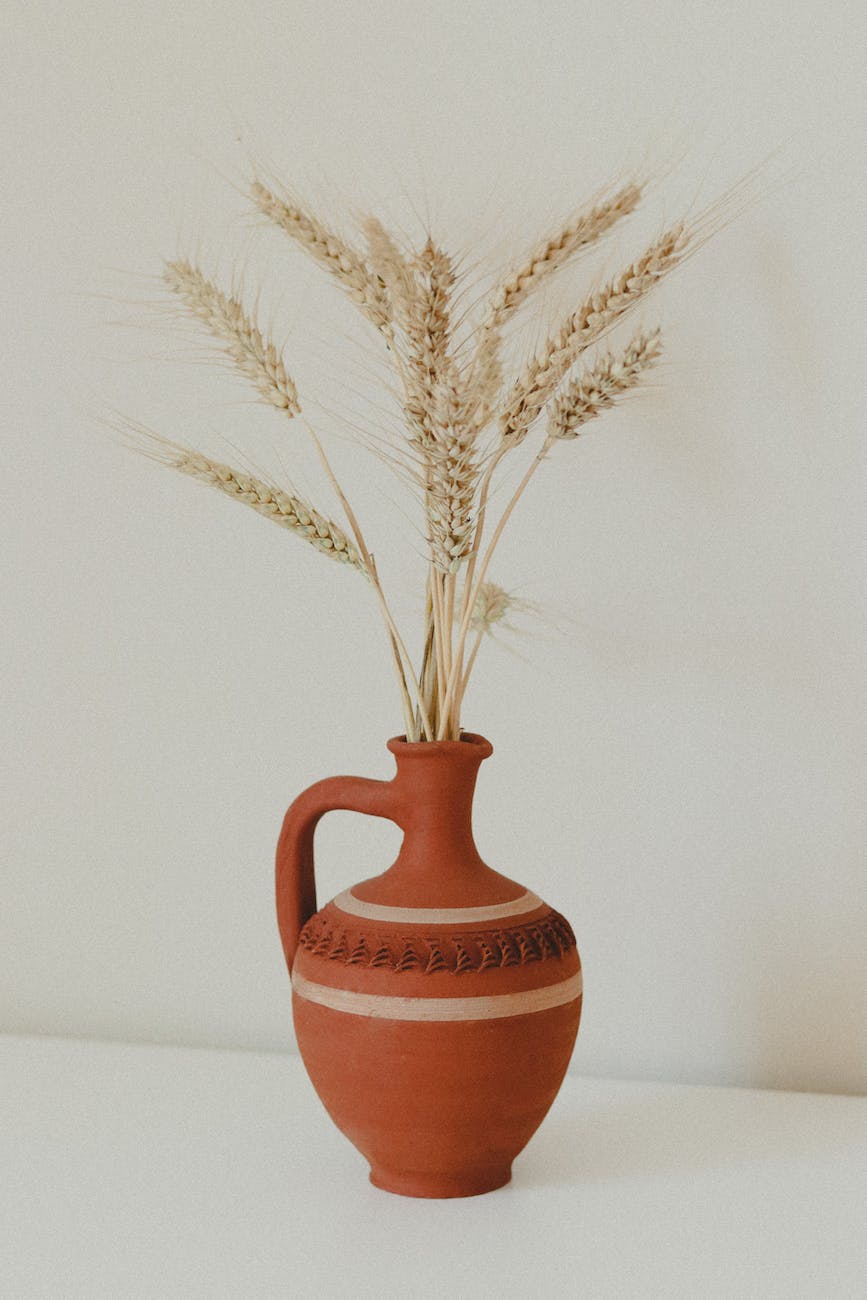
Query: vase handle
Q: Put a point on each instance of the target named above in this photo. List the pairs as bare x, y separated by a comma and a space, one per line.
296, 881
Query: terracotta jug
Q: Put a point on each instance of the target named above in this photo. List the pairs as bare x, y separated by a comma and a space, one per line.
435, 1005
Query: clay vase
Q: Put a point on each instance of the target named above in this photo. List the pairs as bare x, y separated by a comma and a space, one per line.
435, 1005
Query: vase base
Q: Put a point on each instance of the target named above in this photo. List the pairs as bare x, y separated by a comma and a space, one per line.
436, 1186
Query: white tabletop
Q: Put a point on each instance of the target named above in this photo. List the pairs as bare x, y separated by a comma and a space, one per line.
133, 1171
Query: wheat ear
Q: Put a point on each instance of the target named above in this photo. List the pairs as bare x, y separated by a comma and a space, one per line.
331, 252
490, 607
592, 319
448, 473
254, 355
554, 252
431, 397
434, 407
284, 508
598, 388
393, 269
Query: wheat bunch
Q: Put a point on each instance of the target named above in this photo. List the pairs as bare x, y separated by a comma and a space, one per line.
449, 371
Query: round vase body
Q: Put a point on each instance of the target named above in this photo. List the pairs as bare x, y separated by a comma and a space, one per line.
436, 1005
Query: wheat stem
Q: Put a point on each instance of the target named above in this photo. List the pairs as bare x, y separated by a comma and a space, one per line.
454, 684
396, 642
428, 654
481, 513
480, 636
436, 592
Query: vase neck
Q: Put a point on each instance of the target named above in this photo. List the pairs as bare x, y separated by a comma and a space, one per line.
436, 808
438, 864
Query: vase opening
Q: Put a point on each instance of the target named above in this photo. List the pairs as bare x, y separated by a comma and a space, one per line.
469, 745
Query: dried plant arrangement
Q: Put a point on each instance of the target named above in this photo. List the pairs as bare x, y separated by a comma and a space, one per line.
441, 991
463, 415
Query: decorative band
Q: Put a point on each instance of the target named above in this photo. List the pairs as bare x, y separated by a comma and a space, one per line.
504, 945
380, 1007
347, 902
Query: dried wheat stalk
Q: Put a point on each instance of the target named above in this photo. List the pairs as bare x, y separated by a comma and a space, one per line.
331, 252
554, 252
598, 389
284, 508
396, 273
431, 397
254, 355
433, 406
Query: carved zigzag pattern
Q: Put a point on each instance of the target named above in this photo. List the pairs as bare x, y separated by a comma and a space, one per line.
552, 936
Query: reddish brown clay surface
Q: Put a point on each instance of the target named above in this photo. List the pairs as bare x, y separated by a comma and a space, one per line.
436, 1005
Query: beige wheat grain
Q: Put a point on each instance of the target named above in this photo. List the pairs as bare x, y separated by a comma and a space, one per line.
254, 355
485, 380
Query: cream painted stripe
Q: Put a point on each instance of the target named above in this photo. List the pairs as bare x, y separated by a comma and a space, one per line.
380, 1007
347, 902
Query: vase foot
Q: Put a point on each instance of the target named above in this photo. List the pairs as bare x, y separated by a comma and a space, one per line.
441, 1186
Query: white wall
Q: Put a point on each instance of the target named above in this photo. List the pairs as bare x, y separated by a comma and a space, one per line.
680, 752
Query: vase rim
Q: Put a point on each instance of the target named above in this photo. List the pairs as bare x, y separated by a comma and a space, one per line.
470, 744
